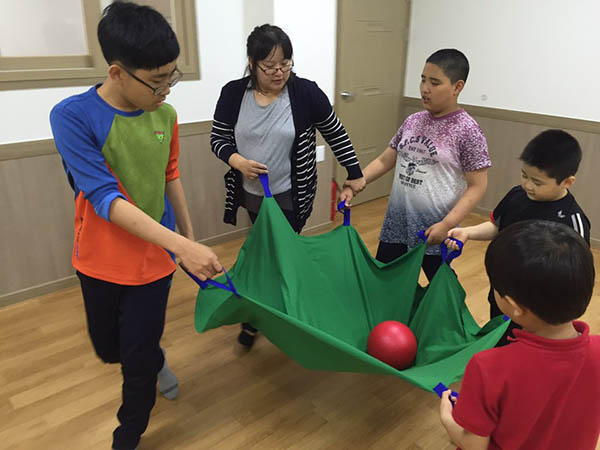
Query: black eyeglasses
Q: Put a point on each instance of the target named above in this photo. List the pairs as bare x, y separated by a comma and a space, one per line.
176, 76
273, 70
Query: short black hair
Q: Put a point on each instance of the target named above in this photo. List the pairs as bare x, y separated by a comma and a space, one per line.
453, 63
139, 37
261, 43
544, 266
555, 152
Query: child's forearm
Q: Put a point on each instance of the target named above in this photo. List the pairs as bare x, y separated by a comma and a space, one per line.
463, 438
196, 258
176, 196
483, 232
138, 223
381, 165
453, 429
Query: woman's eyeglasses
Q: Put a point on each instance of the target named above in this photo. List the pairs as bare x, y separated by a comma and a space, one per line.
273, 70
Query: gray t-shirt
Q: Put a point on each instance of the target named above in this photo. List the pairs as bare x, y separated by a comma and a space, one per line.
266, 134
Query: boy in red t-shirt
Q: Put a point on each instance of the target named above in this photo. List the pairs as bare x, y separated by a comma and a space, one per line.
542, 391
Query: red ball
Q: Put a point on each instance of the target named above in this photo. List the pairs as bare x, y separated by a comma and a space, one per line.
393, 343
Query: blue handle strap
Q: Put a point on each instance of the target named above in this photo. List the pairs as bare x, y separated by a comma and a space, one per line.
204, 284
264, 179
342, 206
441, 388
447, 257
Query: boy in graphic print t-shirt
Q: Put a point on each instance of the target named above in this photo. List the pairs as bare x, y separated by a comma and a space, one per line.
441, 159
432, 156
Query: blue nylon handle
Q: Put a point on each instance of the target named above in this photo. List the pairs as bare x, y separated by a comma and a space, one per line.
446, 257
204, 284
264, 179
441, 388
342, 206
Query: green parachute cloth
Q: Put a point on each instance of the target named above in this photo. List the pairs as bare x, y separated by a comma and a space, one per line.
318, 297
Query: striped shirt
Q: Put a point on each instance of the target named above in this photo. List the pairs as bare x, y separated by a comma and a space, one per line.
311, 111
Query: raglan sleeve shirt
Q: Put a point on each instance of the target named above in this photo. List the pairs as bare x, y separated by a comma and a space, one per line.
83, 159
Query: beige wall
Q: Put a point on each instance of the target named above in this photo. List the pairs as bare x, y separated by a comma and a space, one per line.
36, 201
508, 133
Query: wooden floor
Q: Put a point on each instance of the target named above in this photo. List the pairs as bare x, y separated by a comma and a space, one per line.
55, 393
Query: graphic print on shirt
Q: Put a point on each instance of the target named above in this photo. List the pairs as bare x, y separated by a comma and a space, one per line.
417, 152
160, 135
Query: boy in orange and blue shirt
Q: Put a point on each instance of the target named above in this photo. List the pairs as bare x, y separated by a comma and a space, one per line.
120, 147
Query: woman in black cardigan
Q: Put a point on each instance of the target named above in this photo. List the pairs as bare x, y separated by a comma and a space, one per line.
267, 121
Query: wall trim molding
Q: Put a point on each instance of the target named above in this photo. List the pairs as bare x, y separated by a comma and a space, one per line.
587, 126
195, 128
37, 291
225, 237
29, 149
43, 147
317, 229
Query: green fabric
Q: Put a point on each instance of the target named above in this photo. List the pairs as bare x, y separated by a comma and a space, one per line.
317, 298
137, 150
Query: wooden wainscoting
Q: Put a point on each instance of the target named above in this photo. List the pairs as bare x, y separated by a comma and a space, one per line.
37, 210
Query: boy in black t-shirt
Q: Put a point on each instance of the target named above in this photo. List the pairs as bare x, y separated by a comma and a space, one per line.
550, 161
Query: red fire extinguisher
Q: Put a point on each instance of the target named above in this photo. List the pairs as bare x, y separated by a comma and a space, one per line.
334, 191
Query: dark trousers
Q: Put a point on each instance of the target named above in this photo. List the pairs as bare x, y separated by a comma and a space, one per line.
291, 217
125, 324
387, 252
495, 312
